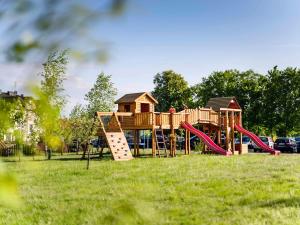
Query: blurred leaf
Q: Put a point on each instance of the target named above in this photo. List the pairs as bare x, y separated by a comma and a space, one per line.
19, 50
8, 190
62, 24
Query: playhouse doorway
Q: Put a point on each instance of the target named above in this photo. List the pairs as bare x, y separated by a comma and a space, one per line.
145, 107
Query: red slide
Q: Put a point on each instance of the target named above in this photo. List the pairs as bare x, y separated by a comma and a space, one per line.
257, 140
206, 139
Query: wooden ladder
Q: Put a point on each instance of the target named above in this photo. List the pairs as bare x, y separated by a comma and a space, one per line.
160, 143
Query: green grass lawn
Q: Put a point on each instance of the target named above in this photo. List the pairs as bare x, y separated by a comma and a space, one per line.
197, 189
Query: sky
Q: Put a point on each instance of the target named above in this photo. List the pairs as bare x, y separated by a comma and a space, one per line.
191, 37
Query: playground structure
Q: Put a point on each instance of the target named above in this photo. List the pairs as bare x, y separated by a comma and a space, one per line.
220, 120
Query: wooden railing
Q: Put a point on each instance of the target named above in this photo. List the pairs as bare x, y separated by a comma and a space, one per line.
144, 119
178, 118
214, 117
202, 115
149, 119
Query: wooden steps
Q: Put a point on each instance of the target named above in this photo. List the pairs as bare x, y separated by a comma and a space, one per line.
118, 146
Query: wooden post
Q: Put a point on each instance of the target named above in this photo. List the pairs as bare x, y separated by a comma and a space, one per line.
204, 149
226, 130
153, 142
134, 143
241, 135
219, 128
172, 136
138, 142
186, 143
232, 132
187, 136
189, 142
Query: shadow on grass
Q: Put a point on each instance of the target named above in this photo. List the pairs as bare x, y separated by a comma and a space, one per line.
282, 202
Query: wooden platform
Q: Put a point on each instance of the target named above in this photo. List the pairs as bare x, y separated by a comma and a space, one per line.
156, 120
118, 146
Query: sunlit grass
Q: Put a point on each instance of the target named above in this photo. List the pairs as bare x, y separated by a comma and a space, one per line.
198, 189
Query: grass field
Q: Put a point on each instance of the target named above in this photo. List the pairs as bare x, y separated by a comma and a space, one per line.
197, 189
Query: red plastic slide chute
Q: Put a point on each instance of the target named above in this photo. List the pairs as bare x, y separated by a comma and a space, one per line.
206, 139
257, 140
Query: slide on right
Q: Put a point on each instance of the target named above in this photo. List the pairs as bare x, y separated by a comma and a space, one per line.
257, 140
206, 139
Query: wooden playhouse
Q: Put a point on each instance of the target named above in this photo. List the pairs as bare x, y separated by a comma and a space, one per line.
136, 112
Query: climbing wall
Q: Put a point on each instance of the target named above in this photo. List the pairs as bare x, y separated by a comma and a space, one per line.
118, 146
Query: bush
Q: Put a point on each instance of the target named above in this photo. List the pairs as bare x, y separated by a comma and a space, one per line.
199, 147
29, 150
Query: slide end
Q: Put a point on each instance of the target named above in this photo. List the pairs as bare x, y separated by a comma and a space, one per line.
228, 153
275, 152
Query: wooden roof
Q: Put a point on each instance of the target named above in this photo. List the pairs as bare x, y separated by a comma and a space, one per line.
133, 97
222, 102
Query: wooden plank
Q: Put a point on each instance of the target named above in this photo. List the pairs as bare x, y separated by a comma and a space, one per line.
232, 133
226, 130
118, 146
229, 109
117, 113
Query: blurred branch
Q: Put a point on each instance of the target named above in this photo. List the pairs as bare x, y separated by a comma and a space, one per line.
33, 28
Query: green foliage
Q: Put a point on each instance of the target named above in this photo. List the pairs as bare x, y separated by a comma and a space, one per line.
48, 119
171, 90
51, 25
51, 100
246, 86
28, 150
101, 96
199, 147
6, 122
12, 113
282, 101
82, 124
53, 77
8, 189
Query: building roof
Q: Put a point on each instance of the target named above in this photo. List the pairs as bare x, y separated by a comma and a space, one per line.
222, 102
11, 95
128, 98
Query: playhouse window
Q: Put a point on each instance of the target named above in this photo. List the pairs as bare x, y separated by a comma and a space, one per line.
145, 107
127, 108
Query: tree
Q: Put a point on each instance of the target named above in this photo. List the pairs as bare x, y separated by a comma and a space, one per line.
79, 120
12, 115
171, 90
282, 101
101, 96
82, 125
51, 100
6, 122
53, 77
246, 86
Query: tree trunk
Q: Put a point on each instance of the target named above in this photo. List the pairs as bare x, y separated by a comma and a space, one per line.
88, 161
84, 148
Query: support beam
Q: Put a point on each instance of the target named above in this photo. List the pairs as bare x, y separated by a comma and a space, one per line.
134, 144
187, 149
241, 135
189, 142
172, 136
219, 130
226, 130
153, 142
137, 142
232, 133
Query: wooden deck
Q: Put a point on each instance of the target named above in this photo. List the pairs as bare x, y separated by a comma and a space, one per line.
150, 120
